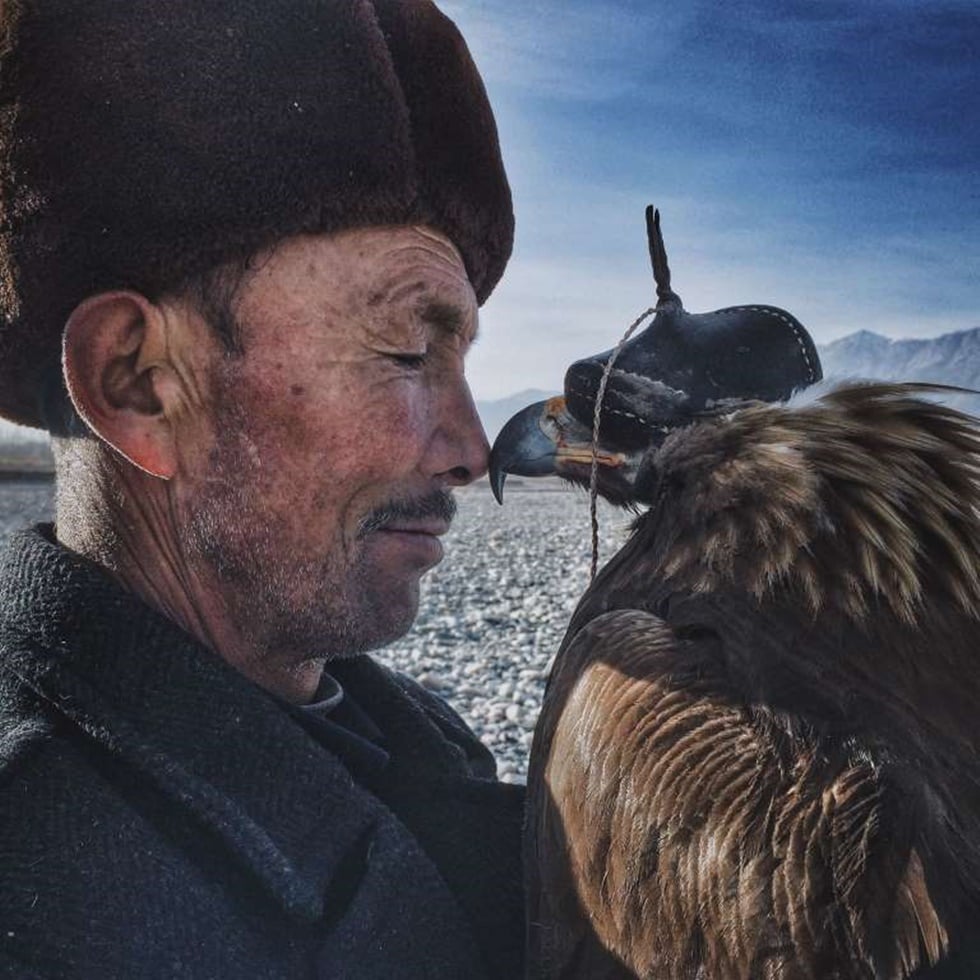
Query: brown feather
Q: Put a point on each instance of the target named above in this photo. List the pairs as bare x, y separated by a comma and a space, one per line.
868, 473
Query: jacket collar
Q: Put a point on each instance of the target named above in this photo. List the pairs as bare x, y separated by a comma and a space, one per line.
218, 745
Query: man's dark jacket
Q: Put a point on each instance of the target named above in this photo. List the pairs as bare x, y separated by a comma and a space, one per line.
162, 817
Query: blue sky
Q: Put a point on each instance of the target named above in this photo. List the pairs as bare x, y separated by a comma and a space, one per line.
820, 155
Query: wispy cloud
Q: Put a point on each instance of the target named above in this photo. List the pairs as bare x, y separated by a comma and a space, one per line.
819, 156
569, 50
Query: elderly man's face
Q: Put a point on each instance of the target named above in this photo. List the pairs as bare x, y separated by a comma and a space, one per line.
336, 439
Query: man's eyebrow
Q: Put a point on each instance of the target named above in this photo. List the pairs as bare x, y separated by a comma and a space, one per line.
444, 317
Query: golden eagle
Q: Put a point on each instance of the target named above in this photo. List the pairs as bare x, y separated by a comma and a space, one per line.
759, 750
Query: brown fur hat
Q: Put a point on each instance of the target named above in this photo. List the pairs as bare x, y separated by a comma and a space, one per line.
144, 141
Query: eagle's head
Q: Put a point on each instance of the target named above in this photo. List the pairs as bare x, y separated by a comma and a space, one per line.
682, 368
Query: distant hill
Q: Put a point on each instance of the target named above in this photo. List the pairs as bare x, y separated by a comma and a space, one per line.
494, 413
24, 450
953, 359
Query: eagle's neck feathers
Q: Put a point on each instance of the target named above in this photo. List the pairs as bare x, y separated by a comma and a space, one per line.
867, 497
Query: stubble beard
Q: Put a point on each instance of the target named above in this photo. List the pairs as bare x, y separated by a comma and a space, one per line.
288, 606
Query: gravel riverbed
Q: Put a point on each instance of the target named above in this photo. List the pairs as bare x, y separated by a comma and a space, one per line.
492, 613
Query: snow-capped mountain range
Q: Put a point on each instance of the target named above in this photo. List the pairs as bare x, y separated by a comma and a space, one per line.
951, 359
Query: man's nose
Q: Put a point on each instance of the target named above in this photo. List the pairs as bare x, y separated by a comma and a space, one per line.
464, 451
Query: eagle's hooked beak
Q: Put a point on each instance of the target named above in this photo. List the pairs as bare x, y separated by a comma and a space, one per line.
541, 440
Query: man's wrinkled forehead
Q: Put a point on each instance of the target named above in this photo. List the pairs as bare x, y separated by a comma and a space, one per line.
366, 274
421, 268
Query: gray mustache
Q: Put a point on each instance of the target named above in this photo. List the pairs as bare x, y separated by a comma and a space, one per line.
440, 504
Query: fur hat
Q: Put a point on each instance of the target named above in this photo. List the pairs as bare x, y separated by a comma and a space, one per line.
144, 141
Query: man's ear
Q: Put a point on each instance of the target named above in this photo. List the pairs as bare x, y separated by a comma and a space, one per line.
121, 380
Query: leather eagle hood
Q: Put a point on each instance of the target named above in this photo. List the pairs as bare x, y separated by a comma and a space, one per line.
144, 142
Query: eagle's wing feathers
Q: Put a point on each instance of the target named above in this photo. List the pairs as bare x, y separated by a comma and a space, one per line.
704, 840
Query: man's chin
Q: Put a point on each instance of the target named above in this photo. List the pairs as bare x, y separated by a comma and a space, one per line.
383, 613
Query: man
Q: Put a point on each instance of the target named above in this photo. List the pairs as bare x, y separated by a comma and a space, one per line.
241, 255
